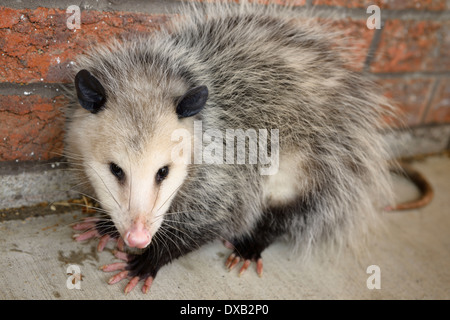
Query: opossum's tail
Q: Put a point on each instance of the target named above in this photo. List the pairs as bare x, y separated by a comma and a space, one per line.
419, 180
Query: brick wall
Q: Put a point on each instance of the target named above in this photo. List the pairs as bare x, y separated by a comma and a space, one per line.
409, 56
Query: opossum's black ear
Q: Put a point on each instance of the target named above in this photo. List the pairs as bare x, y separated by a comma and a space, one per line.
192, 102
90, 92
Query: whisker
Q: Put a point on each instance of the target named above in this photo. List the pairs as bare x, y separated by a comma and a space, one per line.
207, 228
79, 157
96, 209
106, 186
173, 241
170, 196
160, 235
131, 182
81, 220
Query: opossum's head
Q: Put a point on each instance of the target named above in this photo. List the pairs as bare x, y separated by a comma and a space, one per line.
126, 142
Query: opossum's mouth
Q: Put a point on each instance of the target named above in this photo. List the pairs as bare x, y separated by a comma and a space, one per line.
137, 251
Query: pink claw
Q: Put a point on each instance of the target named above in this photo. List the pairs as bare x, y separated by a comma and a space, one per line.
120, 244
229, 260
86, 235
121, 255
102, 243
232, 261
245, 267
114, 266
120, 276
259, 267
83, 225
130, 286
228, 244
147, 284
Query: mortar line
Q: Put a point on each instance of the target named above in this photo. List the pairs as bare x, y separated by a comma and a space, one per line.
47, 90
432, 93
373, 48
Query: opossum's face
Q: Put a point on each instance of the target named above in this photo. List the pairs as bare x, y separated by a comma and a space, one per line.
129, 161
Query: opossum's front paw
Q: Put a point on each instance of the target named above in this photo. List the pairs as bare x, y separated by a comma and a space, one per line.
244, 253
103, 229
135, 268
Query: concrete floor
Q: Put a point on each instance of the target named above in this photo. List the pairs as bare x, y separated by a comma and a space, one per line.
413, 256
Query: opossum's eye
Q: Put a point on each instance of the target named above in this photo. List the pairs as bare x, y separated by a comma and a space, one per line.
117, 171
162, 174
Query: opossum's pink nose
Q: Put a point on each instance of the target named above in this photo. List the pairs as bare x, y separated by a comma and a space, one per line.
138, 236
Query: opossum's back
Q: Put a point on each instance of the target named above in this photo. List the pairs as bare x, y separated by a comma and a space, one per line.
261, 68
257, 43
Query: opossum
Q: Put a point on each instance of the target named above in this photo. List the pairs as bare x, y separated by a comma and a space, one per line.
257, 69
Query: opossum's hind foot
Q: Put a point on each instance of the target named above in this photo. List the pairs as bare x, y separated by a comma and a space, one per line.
134, 267
126, 274
132, 283
234, 259
245, 250
248, 248
98, 228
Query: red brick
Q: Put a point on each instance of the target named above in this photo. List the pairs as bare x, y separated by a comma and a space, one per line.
9, 17
442, 53
439, 110
407, 46
410, 96
36, 45
435, 5
31, 127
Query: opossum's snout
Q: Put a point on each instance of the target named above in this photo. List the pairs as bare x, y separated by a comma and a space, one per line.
137, 236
